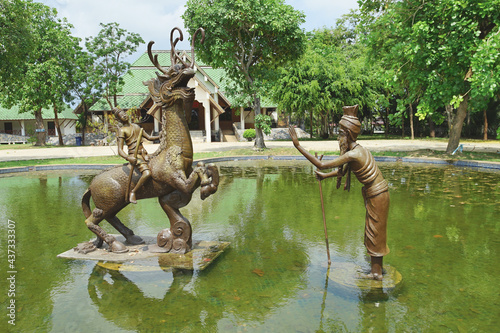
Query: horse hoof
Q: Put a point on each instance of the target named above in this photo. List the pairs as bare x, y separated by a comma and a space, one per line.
118, 247
164, 239
179, 246
135, 240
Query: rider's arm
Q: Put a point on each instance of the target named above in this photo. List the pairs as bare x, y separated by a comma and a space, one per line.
150, 137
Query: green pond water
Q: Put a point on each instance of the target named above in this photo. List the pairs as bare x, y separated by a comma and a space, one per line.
443, 232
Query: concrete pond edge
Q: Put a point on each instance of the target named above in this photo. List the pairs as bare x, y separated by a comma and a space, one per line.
435, 161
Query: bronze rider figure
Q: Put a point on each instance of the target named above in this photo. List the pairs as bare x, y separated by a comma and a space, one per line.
128, 134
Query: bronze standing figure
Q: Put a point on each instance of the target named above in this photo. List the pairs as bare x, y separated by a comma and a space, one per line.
172, 177
353, 157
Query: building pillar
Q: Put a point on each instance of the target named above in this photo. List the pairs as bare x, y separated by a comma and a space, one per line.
242, 118
23, 128
105, 120
208, 127
156, 125
216, 122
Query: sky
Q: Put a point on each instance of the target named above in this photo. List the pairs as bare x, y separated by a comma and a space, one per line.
154, 19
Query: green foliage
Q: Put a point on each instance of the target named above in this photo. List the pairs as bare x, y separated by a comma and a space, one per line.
38, 69
249, 134
332, 73
264, 122
16, 40
248, 38
42, 74
108, 48
437, 53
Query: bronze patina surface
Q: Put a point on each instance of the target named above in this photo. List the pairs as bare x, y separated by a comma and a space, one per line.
353, 157
145, 257
167, 174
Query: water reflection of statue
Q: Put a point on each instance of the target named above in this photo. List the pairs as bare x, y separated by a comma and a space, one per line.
128, 134
359, 160
122, 302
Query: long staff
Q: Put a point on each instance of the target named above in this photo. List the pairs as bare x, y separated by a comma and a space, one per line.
139, 138
324, 217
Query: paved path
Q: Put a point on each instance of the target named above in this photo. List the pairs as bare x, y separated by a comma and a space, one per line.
374, 145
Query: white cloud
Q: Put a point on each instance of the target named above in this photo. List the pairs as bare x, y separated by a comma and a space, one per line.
322, 13
154, 19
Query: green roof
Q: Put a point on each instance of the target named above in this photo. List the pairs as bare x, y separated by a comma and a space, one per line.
134, 92
163, 60
134, 81
13, 114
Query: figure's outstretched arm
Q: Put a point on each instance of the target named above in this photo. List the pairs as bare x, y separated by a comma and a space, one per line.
150, 137
313, 159
322, 175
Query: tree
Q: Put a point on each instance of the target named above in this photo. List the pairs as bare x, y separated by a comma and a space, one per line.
86, 86
15, 43
111, 44
248, 38
41, 77
332, 73
447, 50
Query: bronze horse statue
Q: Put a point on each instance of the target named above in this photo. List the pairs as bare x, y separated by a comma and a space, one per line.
173, 178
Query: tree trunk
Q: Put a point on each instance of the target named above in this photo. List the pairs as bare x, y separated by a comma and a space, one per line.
311, 124
412, 129
485, 136
41, 135
456, 127
402, 125
58, 127
84, 125
432, 130
386, 122
449, 113
324, 133
259, 136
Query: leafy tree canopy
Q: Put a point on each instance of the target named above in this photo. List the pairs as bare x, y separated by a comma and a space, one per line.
248, 38
16, 41
332, 73
109, 47
447, 51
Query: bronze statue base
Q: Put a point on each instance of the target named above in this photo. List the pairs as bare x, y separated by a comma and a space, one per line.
145, 257
351, 276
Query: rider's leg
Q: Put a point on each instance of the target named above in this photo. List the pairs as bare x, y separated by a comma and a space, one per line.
146, 174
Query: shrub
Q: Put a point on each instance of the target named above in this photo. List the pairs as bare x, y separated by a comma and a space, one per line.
249, 134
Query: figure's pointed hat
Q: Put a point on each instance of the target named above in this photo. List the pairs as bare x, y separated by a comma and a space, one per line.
350, 121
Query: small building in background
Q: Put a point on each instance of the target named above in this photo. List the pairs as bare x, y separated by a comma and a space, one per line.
213, 118
14, 123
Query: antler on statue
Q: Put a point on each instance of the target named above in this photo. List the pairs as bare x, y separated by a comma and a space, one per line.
174, 56
154, 59
192, 43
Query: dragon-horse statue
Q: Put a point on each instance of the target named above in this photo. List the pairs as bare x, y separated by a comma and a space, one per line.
173, 177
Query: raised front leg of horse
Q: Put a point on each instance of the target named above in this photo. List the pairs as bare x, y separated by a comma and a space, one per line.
177, 238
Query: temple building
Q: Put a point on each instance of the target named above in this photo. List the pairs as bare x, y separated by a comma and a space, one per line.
212, 119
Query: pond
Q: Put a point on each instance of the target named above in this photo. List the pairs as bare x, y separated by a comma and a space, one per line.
443, 232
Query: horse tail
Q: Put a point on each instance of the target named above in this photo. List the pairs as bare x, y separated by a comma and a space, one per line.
86, 203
